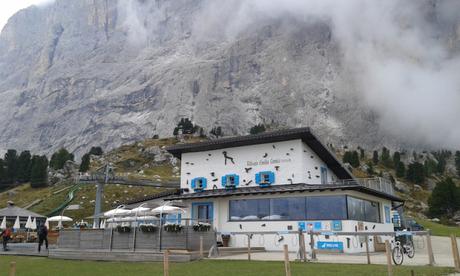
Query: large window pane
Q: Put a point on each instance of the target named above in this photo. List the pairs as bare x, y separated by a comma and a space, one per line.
291, 208
363, 210
249, 209
326, 207
371, 211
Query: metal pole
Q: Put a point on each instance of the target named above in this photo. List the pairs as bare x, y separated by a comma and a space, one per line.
312, 245
367, 250
430, 249
249, 247
99, 191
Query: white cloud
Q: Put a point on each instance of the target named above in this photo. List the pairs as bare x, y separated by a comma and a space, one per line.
10, 7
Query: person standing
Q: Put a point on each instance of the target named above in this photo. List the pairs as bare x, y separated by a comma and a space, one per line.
6, 235
42, 237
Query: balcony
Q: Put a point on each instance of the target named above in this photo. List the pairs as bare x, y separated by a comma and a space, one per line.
377, 183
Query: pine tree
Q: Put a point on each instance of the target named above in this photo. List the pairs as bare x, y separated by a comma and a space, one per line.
85, 162
396, 158
355, 159
59, 158
24, 166
400, 169
2, 171
385, 158
362, 154
415, 173
375, 157
39, 171
445, 199
370, 169
11, 162
457, 162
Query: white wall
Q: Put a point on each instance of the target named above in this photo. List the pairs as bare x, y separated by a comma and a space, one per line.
294, 158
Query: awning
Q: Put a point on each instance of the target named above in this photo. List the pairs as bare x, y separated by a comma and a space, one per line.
289, 188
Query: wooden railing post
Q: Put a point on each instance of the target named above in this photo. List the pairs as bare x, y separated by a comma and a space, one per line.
201, 247
429, 248
367, 250
388, 254
166, 263
249, 247
287, 267
455, 253
12, 269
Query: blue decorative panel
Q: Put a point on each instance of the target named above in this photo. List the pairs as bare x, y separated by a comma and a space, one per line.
336, 225
301, 225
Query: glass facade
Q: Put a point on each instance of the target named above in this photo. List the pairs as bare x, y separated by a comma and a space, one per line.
340, 207
364, 210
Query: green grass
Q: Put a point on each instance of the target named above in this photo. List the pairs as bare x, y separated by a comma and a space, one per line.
438, 229
42, 266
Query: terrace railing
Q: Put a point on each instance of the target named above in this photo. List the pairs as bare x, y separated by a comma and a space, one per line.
377, 183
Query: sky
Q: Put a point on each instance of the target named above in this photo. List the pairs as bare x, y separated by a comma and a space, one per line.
10, 7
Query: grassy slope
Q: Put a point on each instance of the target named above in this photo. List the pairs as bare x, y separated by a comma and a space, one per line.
42, 266
439, 229
127, 159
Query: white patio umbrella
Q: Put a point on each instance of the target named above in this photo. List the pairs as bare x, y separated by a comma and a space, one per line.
33, 225
3, 225
29, 223
59, 218
117, 212
17, 224
166, 209
139, 210
47, 224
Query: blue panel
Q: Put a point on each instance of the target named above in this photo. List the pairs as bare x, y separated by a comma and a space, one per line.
336, 225
335, 246
257, 178
193, 184
317, 225
301, 225
237, 179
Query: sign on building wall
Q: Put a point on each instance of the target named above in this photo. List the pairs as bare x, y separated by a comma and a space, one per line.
335, 246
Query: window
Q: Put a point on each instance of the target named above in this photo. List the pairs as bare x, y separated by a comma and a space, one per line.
363, 210
230, 180
199, 183
289, 208
326, 207
304, 208
249, 209
264, 179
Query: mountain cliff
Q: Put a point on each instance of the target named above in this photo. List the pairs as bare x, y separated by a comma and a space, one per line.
100, 72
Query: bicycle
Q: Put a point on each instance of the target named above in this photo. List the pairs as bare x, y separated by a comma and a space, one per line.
400, 249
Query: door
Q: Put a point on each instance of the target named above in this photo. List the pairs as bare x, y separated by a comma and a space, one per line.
202, 212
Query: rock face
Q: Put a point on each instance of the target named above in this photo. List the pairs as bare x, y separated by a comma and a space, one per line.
85, 73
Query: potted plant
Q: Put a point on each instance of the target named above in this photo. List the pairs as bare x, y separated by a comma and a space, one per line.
148, 228
173, 227
201, 227
225, 240
123, 229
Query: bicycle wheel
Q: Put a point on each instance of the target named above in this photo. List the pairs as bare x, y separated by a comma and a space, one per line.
410, 250
397, 255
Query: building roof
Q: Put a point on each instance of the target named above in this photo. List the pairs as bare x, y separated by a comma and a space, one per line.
288, 188
304, 134
14, 211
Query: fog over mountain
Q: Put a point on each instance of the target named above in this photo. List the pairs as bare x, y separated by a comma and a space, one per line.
84, 73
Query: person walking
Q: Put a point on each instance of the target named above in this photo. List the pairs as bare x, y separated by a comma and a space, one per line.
6, 235
42, 237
